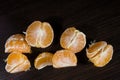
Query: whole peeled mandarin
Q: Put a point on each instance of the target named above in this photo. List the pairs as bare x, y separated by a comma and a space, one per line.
39, 34
72, 39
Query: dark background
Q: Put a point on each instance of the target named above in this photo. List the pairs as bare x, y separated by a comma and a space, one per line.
99, 20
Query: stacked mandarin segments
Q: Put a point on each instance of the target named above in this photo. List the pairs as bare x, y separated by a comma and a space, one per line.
17, 62
17, 42
64, 58
100, 53
72, 39
43, 59
39, 34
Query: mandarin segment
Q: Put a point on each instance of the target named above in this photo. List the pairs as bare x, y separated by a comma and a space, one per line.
43, 59
64, 58
100, 53
39, 34
17, 42
72, 39
17, 62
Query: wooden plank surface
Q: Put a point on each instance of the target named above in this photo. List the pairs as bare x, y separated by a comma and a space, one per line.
99, 20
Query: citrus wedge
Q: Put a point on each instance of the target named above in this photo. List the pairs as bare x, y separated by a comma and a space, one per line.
43, 59
64, 58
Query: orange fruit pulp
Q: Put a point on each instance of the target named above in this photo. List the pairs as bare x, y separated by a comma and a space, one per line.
64, 58
17, 42
72, 39
43, 59
17, 62
100, 53
39, 34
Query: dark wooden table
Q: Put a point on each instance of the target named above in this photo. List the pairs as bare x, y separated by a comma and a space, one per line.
99, 20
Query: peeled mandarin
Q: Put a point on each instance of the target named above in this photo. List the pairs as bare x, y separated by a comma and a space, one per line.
17, 42
39, 34
64, 58
17, 62
94, 48
72, 39
43, 59
100, 53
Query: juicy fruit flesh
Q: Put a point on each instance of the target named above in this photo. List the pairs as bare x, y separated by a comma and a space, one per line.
103, 54
94, 48
97, 46
39, 34
44, 59
64, 58
48, 37
17, 43
104, 57
17, 62
73, 40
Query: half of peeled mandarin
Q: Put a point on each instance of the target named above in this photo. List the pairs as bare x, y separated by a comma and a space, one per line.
64, 58
39, 34
43, 59
17, 62
18, 43
72, 39
100, 53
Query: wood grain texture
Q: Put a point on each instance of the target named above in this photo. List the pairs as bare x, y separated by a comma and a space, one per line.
99, 20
